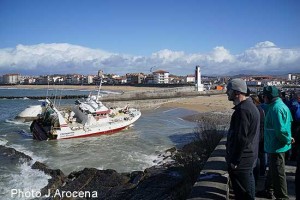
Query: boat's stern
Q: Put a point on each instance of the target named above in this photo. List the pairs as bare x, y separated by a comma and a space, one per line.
39, 132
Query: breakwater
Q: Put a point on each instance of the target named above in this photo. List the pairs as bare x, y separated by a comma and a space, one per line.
159, 93
44, 97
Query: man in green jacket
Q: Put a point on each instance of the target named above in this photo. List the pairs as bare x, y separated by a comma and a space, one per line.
278, 139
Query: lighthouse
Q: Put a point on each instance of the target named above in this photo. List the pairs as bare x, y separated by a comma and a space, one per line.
198, 85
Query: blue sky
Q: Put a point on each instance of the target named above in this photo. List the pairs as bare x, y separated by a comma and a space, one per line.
119, 36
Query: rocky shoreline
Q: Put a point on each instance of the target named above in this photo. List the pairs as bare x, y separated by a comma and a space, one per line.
172, 178
168, 180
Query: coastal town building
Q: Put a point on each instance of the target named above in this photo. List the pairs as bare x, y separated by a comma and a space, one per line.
28, 81
149, 79
57, 79
160, 77
274, 82
254, 83
120, 80
11, 78
189, 79
294, 78
89, 79
173, 79
135, 78
43, 80
74, 79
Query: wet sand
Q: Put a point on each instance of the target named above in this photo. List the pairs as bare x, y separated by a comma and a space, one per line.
213, 103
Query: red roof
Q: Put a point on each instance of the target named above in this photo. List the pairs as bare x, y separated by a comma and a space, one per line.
160, 72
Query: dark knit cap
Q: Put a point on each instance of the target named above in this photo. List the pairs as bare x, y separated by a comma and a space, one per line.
271, 92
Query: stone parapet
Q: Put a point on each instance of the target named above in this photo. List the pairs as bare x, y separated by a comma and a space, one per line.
213, 180
212, 183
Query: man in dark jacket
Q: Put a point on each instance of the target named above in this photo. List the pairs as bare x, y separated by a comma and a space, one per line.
242, 140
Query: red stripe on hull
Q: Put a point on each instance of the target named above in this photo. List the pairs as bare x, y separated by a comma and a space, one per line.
98, 133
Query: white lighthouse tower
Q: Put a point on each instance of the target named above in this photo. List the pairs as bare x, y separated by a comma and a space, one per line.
198, 85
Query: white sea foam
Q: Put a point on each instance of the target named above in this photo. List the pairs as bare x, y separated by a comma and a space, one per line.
149, 160
3, 141
180, 118
16, 88
17, 122
22, 149
100, 168
141, 161
86, 90
170, 110
8, 88
26, 180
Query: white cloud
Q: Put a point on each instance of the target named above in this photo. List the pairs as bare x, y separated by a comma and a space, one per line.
167, 55
264, 58
267, 57
220, 55
265, 44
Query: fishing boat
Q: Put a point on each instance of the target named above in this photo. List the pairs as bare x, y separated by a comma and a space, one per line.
89, 117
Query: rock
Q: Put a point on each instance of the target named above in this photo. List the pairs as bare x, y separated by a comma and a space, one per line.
57, 177
162, 183
107, 184
13, 155
136, 177
171, 179
171, 150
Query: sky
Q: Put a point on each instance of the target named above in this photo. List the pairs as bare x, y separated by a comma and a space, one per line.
223, 37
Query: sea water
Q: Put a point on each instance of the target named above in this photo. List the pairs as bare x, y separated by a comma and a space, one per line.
136, 148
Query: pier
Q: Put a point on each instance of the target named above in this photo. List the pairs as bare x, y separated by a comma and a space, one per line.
44, 97
161, 93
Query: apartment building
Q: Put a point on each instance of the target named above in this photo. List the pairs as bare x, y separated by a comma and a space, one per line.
11, 78
160, 77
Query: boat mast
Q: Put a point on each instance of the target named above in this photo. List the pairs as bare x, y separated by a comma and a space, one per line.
99, 88
100, 75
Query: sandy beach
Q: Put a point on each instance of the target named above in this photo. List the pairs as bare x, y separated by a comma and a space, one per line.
212, 103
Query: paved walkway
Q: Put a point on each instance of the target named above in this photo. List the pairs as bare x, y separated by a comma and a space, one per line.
212, 182
290, 169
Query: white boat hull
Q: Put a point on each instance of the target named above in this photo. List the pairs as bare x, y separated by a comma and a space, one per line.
29, 114
67, 132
